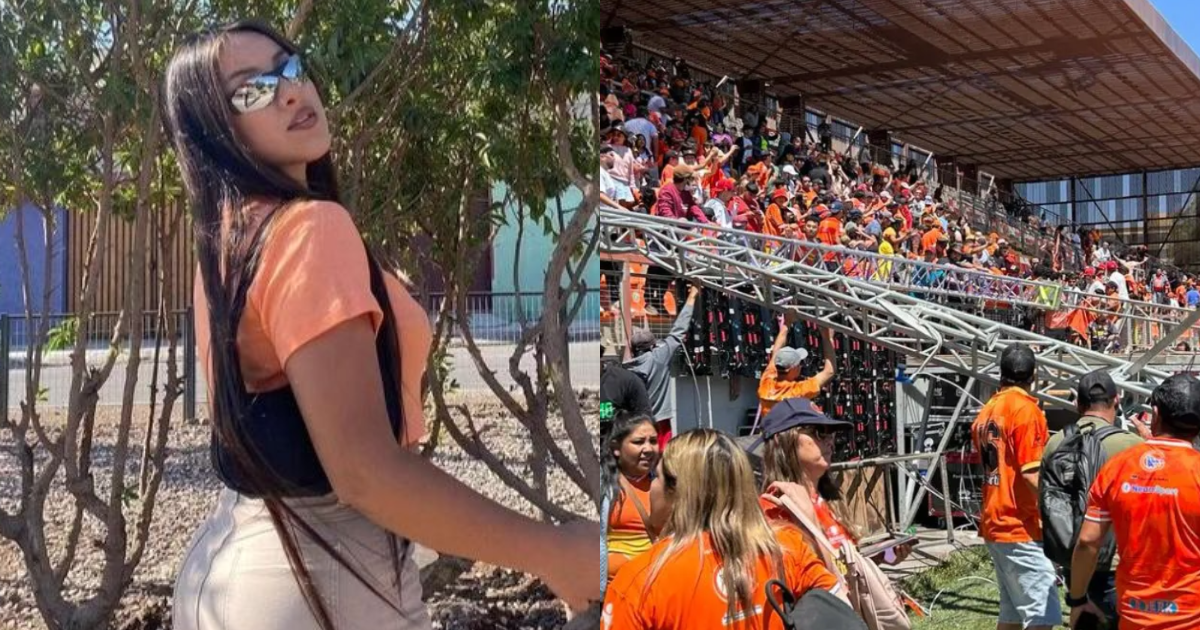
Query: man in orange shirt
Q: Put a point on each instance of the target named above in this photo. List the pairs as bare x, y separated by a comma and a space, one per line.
1010, 435
829, 232
1149, 495
781, 379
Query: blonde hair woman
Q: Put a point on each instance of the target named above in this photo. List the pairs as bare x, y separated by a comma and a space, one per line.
798, 449
717, 551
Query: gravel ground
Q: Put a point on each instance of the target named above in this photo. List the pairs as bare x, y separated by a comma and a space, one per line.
483, 597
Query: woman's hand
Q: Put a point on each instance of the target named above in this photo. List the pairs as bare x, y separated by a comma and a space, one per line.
901, 553
1088, 607
572, 564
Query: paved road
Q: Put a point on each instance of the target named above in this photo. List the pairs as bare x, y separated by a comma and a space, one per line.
585, 373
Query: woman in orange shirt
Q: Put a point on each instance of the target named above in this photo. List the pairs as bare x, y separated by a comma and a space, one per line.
797, 452
631, 457
710, 568
314, 354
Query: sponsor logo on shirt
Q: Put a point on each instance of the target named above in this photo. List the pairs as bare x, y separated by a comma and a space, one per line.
1152, 462
1157, 606
1127, 488
719, 586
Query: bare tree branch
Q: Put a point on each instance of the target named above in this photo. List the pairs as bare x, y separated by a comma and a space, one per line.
293, 27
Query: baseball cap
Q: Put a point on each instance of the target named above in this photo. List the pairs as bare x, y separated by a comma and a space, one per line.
779, 192
1089, 271
788, 358
1095, 386
791, 413
851, 227
723, 186
641, 337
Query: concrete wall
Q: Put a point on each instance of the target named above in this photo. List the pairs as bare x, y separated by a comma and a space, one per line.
12, 298
694, 396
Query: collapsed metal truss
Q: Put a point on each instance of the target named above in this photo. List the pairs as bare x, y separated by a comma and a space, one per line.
968, 286
765, 271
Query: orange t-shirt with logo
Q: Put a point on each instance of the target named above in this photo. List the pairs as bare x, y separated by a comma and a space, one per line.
1150, 493
771, 390
773, 221
688, 592
1010, 435
312, 277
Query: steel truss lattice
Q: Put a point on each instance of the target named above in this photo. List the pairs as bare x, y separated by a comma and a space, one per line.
932, 334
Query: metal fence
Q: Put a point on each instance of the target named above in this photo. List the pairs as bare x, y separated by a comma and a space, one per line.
494, 321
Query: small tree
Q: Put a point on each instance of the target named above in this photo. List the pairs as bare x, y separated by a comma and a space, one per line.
79, 129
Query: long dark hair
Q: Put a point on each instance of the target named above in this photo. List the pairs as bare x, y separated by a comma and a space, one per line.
221, 176
621, 428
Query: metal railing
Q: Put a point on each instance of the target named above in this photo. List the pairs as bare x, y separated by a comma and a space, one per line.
494, 321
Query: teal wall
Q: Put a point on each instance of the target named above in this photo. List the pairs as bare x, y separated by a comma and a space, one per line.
536, 248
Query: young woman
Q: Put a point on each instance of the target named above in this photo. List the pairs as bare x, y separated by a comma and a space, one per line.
709, 571
631, 457
314, 355
796, 458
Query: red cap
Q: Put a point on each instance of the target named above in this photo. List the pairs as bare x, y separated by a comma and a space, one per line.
1111, 265
779, 192
722, 186
1089, 271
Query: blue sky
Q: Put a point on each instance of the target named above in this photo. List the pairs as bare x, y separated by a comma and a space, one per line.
1184, 17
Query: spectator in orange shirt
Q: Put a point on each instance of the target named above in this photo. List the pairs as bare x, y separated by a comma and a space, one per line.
1010, 434
829, 231
781, 380
710, 569
807, 192
632, 455
669, 169
764, 171
797, 450
773, 222
933, 232
1149, 496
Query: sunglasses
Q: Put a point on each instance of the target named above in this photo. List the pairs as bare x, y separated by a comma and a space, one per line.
820, 433
260, 91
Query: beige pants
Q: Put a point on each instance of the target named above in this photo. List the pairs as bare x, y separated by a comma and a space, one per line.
235, 575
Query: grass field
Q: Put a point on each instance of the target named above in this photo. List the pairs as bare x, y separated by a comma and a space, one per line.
965, 590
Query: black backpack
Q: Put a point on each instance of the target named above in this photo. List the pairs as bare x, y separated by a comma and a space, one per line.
1066, 477
817, 608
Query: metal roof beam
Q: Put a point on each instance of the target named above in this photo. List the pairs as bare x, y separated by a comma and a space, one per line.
1061, 48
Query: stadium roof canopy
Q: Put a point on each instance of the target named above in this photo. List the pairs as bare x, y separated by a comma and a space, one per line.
1025, 89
